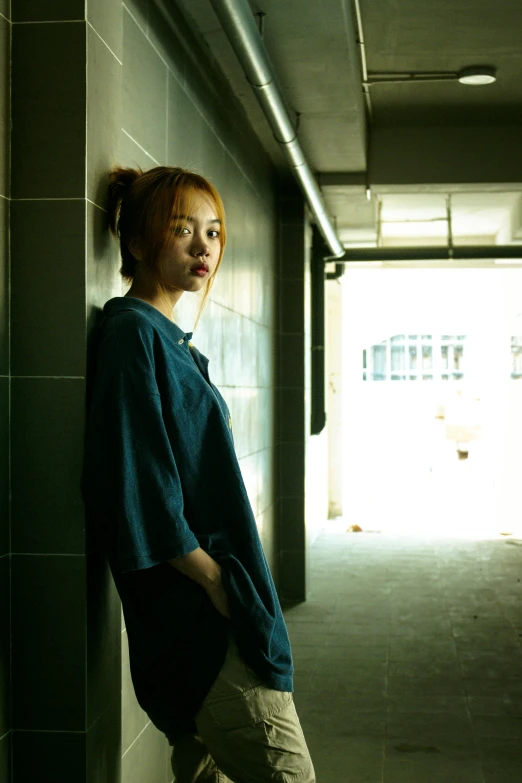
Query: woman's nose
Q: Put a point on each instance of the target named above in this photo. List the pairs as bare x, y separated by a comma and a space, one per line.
201, 247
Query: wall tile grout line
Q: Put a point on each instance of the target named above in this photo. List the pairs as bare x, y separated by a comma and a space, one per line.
141, 148
62, 198
52, 21
49, 554
126, 8
136, 738
89, 201
52, 377
95, 31
102, 713
45, 731
236, 312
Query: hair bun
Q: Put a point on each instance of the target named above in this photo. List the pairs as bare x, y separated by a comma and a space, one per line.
120, 180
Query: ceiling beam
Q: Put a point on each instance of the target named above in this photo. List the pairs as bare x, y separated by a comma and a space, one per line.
414, 155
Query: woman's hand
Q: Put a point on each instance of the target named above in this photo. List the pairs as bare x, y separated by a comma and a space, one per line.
217, 595
204, 570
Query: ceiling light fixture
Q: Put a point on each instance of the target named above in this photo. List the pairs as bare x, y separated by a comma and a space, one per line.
477, 75
473, 75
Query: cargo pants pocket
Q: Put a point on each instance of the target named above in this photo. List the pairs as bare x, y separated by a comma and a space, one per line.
253, 732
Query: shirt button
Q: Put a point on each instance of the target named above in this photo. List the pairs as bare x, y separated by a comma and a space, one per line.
181, 341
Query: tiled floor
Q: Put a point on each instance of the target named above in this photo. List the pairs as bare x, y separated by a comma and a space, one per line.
408, 659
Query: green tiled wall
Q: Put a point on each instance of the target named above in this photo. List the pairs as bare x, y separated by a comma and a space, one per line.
152, 98
48, 95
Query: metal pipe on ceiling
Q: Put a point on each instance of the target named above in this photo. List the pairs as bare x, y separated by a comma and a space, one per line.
362, 52
240, 27
457, 253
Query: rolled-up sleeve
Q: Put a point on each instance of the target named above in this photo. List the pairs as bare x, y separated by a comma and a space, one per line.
151, 526
131, 483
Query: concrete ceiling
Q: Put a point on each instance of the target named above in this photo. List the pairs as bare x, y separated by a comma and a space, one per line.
424, 138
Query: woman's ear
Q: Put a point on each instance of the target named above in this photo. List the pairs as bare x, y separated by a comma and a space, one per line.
135, 249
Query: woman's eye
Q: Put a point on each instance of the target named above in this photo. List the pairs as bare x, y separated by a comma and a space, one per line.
180, 230
213, 234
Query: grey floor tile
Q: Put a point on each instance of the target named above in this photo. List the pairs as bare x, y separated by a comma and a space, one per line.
493, 687
502, 726
411, 703
350, 654
349, 682
357, 701
300, 700
404, 650
429, 746
505, 750
346, 759
357, 635
497, 669
429, 685
409, 654
437, 771
424, 668
304, 637
503, 773
494, 705
423, 725
305, 626
343, 722
504, 645
303, 683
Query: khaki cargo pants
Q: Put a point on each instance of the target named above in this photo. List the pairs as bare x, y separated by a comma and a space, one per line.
247, 733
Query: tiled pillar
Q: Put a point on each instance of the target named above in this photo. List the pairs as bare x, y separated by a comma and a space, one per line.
65, 613
291, 415
5, 560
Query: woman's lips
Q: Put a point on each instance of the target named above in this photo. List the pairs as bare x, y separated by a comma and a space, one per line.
201, 271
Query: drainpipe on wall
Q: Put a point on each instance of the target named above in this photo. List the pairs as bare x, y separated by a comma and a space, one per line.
454, 253
318, 334
339, 272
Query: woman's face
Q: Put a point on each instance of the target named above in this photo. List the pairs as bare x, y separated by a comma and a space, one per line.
192, 251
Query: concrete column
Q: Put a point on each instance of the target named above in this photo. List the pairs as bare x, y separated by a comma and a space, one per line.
335, 406
291, 426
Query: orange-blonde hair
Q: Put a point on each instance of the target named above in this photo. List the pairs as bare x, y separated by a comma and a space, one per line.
141, 205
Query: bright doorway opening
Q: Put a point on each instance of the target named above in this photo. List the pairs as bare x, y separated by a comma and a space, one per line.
432, 401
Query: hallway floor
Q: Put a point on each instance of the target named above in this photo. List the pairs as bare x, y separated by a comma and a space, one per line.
408, 659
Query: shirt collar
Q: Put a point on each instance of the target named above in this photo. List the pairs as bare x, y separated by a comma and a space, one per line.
119, 304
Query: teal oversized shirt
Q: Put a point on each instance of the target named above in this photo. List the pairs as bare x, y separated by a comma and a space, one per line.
161, 477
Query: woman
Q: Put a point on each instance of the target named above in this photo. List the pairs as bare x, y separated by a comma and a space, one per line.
209, 651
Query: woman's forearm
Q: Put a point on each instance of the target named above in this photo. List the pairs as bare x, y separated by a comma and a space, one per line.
200, 567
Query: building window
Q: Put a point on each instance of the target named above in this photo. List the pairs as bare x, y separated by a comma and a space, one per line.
414, 357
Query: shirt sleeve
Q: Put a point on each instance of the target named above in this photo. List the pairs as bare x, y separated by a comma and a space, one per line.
151, 526
131, 481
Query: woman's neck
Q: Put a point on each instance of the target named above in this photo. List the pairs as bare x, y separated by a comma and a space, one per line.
162, 301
